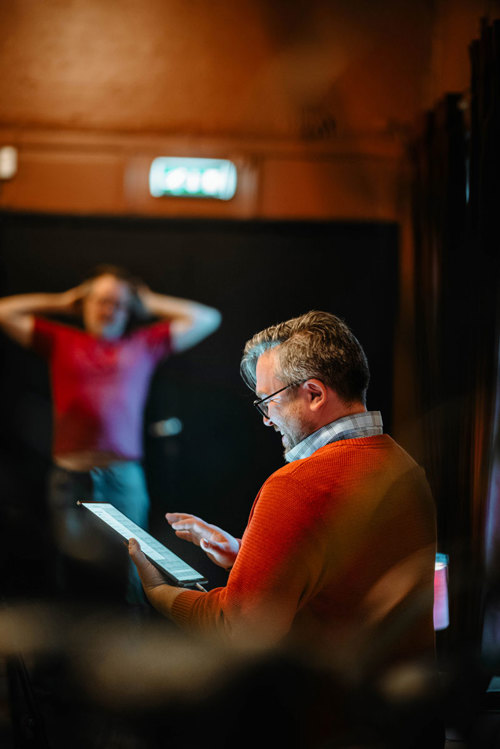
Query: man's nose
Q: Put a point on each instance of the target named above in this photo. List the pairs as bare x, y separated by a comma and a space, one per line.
267, 421
110, 306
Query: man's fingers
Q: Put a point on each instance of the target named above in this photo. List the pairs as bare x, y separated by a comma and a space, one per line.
180, 522
175, 517
188, 525
182, 525
134, 546
207, 545
150, 576
134, 549
172, 516
185, 535
219, 552
139, 558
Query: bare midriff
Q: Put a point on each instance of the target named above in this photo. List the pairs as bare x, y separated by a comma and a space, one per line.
87, 459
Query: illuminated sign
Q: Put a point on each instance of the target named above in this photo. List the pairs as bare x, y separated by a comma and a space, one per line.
194, 178
441, 607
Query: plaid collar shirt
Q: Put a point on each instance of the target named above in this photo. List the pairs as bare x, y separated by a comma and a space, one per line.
366, 424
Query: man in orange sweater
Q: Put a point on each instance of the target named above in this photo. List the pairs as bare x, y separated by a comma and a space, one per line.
338, 554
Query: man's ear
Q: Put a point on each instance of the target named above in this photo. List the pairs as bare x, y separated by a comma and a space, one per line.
316, 392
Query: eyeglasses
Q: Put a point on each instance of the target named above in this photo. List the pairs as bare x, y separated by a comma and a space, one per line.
263, 407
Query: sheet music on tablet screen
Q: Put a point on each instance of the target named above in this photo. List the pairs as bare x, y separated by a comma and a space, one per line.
168, 562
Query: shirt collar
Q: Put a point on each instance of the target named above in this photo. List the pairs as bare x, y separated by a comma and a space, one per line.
366, 424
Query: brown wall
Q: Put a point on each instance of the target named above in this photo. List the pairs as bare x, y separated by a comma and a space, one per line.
313, 100
259, 68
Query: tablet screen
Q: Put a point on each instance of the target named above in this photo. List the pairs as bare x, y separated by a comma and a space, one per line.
168, 562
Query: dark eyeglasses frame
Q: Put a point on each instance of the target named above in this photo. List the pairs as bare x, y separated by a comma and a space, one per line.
264, 410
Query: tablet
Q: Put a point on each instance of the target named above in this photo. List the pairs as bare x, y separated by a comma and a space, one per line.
176, 570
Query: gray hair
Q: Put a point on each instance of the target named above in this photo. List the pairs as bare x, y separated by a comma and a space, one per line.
315, 345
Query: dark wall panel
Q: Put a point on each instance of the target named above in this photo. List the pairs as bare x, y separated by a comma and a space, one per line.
256, 273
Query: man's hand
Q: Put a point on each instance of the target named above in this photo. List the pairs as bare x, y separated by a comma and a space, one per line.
159, 593
69, 302
218, 545
141, 304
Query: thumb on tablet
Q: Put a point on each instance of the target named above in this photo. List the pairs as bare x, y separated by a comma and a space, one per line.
133, 546
150, 577
136, 554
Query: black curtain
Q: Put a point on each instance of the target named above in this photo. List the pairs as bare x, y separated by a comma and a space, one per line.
485, 231
256, 273
456, 203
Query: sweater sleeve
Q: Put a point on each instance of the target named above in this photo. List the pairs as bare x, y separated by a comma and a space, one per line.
275, 570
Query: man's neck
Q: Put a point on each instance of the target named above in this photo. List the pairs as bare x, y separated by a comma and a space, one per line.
352, 425
338, 410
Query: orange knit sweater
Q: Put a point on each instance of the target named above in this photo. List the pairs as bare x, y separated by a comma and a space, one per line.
340, 545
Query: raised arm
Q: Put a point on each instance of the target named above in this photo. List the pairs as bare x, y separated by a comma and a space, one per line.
17, 312
191, 322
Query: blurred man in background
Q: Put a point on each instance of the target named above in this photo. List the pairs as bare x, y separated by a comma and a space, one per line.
100, 377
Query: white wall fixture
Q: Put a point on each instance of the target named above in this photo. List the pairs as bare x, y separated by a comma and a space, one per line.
8, 162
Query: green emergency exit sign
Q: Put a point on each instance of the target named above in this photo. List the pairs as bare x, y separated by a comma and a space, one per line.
192, 178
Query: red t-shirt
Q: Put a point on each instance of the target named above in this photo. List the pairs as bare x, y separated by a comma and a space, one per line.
100, 387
